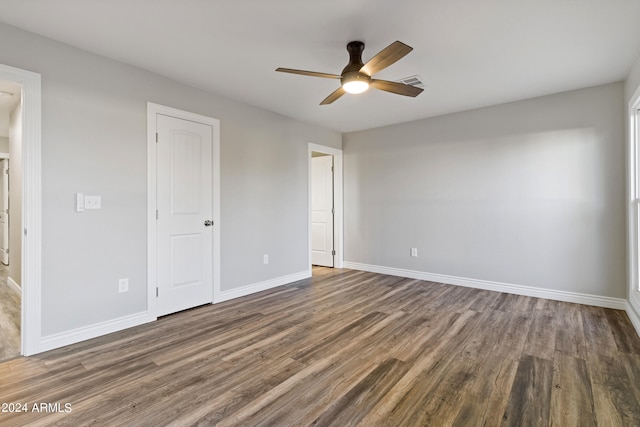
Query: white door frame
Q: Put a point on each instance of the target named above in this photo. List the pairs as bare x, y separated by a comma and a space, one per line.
152, 111
31, 330
338, 260
633, 210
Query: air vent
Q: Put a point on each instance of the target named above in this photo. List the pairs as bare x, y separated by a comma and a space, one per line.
412, 81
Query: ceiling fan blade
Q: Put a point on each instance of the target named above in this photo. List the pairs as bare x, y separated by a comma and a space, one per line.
387, 56
334, 95
308, 73
398, 88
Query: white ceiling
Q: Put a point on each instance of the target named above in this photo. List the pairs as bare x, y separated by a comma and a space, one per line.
470, 53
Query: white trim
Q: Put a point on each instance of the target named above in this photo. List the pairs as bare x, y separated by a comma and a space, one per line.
575, 297
633, 209
262, 286
73, 336
14, 285
152, 111
31, 205
4, 156
338, 228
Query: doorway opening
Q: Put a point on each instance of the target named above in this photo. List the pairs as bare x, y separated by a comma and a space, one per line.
325, 206
25, 213
20, 238
322, 211
10, 220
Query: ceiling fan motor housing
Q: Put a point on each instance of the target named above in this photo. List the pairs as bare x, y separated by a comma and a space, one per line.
352, 72
355, 50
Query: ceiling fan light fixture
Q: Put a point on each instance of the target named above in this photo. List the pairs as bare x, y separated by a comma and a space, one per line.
355, 86
355, 82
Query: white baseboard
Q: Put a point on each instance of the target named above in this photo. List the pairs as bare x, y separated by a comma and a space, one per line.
261, 286
61, 339
575, 297
13, 284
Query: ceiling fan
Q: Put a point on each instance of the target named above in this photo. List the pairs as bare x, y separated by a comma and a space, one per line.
356, 76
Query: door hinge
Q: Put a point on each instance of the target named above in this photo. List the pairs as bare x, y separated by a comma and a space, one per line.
156, 213
156, 137
333, 252
156, 292
333, 211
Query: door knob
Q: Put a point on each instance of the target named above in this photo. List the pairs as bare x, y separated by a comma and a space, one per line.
208, 223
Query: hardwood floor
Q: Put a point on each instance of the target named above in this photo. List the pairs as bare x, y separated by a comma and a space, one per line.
10, 312
345, 348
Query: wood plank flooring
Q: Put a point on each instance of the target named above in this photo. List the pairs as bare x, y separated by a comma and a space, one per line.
345, 348
10, 312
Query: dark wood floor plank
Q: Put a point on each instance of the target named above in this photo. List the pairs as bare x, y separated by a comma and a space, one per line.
357, 402
615, 393
512, 343
486, 400
484, 299
432, 361
631, 363
505, 302
530, 399
570, 338
316, 394
538, 343
626, 339
346, 348
597, 332
571, 396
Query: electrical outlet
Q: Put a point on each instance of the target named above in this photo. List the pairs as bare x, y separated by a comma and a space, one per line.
92, 202
414, 252
123, 285
265, 259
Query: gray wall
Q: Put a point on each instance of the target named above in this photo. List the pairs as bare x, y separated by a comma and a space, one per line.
94, 141
4, 144
527, 193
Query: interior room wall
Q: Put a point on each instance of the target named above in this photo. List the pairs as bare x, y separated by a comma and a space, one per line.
15, 194
4, 144
94, 141
528, 193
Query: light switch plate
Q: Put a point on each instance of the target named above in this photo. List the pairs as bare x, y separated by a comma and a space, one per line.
79, 202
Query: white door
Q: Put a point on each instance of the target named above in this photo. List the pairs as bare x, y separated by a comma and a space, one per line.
322, 211
4, 211
185, 211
